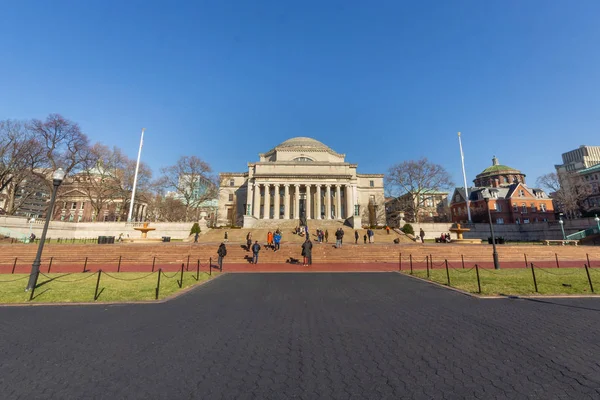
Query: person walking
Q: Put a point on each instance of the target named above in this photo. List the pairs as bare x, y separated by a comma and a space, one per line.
355, 237
255, 250
365, 238
221, 252
422, 235
338, 238
372, 238
248, 241
326, 236
307, 252
226, 237
277, 240
196, 237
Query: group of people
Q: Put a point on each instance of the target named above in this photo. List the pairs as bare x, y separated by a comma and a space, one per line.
274, 240
444, 238
322, 236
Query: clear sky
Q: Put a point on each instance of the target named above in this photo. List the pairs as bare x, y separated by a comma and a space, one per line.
382, 82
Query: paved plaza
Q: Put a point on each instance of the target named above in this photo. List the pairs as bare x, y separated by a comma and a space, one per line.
305, 336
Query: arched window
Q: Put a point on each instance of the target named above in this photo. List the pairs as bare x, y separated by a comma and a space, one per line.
303, 159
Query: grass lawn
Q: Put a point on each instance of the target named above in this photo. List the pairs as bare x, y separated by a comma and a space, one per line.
80, 287
518, 281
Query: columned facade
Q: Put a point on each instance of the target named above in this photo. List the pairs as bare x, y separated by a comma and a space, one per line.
303, 178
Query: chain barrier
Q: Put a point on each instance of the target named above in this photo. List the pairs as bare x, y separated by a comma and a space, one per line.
554, 273
492, 271
69, 281
123, 279
463, 271
18, 279
172, 276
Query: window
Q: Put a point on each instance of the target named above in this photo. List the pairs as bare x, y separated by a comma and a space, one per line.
524, 208
372, 183
232, 182
499, 221
79, 218
302, 159
498, 207
457, 198
542, 207
526, 220
521, 193
495, 208
230, 196
82, 205
533, 207
73, 206
71, 216
515, 208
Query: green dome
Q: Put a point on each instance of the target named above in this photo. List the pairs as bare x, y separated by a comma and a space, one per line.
498, 168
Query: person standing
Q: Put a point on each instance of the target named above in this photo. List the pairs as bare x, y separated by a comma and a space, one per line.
326, 236
387, 228
338, 239
248, 241
277, 240
422, 235
355, 237
270, 239
255, 250
365, 238
372, 238
221, 252
196, 237
307, 252
226, 236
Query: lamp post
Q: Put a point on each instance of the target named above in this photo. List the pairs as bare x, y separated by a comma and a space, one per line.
597, 222
495, 253
57, 178
562, 228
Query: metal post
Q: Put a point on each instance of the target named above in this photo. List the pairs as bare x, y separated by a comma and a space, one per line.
587, 271
37, 273
198, 270
85, 264
137, 167
447, 272
411, 267
50, 264
400, 262
210, 266
478, 281
431, 261
526, 263
14, 266
556, 256
427, 265
588, 259
35, 267
462, 161
534, 280
462, 259
97, 284
153, 262
119, 266
158, 283
495, 253
180, 282
187, 266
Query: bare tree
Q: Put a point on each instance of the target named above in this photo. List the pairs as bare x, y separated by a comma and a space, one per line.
568, 192
63, 145
191, 182
419, 179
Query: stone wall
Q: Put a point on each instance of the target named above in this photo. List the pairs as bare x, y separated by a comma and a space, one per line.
18, 226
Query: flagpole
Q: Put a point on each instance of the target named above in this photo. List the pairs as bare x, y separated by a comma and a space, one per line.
137, 167
462, 159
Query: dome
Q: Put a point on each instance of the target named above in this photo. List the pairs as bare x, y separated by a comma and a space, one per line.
496, 168
305, 142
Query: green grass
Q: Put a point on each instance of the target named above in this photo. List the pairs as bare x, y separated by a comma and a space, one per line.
550, 281
80, 287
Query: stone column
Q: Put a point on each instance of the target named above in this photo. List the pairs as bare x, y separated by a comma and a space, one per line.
249, 199
277, 202
318, 216
349, 202
296, 201
267, 208
328, 202
286, 202
257, 201
308, 202
338, 201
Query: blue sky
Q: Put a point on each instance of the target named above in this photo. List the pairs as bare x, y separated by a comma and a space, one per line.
382, 82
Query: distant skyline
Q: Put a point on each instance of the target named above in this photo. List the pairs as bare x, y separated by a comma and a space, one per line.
381, 83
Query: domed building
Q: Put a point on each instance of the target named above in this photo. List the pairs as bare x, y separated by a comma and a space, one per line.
503, 190
301, 179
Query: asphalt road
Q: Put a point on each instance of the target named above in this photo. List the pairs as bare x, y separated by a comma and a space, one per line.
307, 336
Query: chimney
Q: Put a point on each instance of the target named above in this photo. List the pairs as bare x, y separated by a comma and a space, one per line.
494, 161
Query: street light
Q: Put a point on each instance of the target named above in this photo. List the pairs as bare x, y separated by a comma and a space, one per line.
562, 228
495, 253
57, 178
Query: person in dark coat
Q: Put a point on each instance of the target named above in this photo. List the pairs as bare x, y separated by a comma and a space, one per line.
355, 237
307, 252
221, 252
248, 241
255, 250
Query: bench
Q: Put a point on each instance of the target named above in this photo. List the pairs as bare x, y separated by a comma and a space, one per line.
561, 242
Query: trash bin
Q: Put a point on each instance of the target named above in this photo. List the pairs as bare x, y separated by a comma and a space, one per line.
111, 239
101, 239
166, 239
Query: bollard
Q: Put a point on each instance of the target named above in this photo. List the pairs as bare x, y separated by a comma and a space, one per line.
400, 262
410, 259
153, 262
526, 263
587, 271
180, 282
430, 261
187, 266
427, 265
50, 264
478, 281
534, 280
557, 264
588, 260
14, 266
97, 284
210, 266
119, 266
198, 270
447, 272
462, 259
85, 264
158, 284
37, 275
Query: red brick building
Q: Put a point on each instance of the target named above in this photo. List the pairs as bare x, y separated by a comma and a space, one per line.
511, 201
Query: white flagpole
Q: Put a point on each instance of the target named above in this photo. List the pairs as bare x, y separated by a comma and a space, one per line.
137, 167
462, 159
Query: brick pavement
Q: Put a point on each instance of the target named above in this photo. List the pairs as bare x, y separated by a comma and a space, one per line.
306, 336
